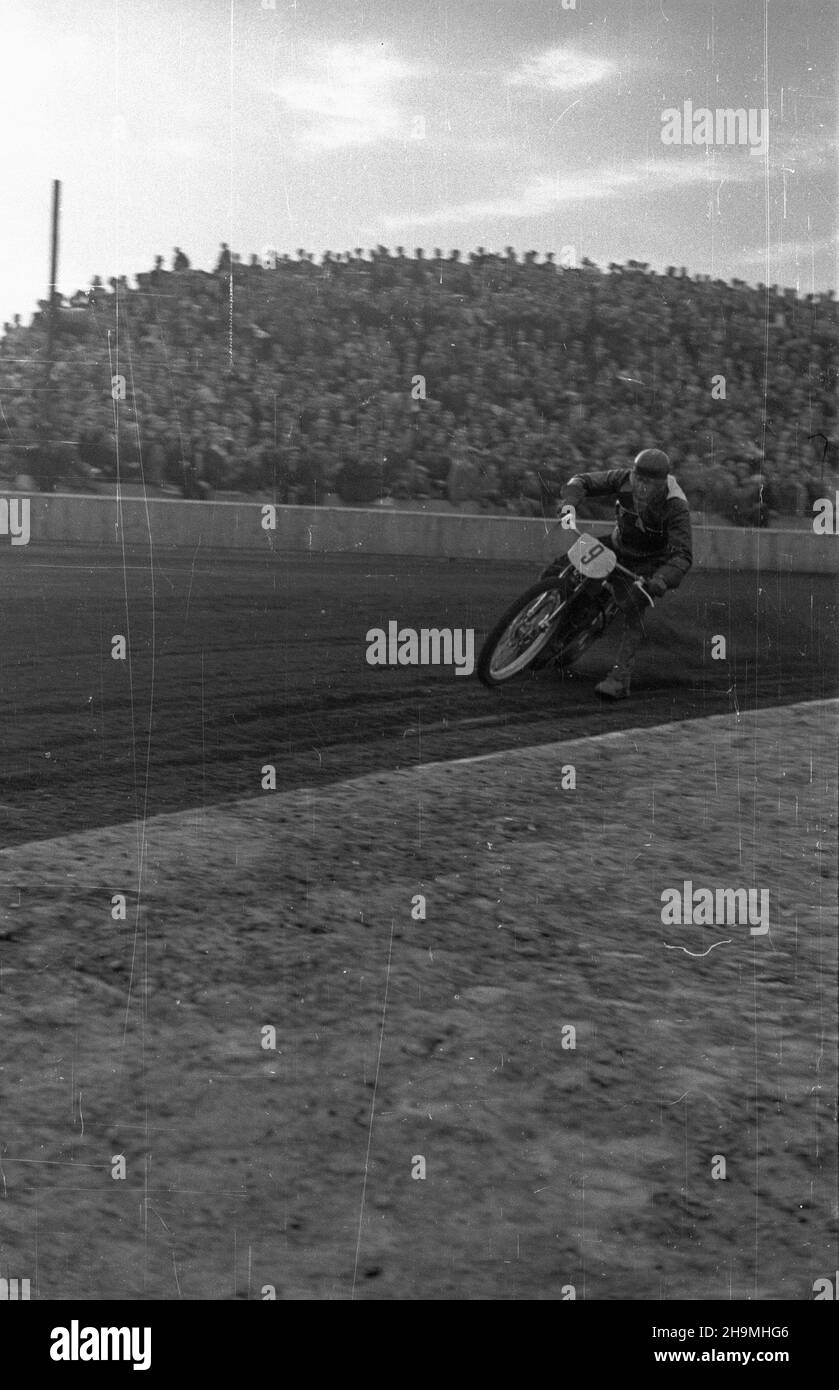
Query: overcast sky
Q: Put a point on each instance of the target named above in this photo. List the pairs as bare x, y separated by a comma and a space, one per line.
342, 123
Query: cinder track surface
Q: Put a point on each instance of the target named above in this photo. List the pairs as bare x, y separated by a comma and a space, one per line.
549, 1168
235, 662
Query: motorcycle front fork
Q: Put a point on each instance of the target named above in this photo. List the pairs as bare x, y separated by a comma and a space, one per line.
600, 595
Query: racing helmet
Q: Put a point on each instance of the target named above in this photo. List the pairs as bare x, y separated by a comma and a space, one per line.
652, 464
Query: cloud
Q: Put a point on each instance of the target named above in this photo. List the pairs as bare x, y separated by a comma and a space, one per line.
812, 153
545, 193
787, 251
561, 70
345, 96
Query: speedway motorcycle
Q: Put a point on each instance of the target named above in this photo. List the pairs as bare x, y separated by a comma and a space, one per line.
553, 622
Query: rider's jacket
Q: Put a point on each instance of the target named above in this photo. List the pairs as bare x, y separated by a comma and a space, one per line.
661, 537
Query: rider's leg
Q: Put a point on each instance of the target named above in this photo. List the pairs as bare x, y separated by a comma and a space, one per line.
633, 605
632, 636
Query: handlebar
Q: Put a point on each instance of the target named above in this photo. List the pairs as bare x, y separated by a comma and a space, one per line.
637, 582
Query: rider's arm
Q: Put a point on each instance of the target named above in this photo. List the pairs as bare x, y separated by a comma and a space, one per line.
679, 545
606, 483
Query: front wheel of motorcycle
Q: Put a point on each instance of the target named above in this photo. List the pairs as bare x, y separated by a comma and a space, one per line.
544, 613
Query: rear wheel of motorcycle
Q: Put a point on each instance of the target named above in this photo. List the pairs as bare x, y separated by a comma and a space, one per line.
524, 631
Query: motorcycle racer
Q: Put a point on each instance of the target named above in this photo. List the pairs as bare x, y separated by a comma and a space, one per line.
652, 536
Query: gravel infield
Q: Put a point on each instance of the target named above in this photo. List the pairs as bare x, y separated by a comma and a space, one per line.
557, 1163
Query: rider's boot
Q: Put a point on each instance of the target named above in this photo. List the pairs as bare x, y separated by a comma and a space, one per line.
616, 685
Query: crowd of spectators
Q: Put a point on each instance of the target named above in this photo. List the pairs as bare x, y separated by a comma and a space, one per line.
485, 381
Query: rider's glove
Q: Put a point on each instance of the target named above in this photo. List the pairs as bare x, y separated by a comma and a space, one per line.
656, 586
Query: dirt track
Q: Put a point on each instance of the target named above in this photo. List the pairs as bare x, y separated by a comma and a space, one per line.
547, 1167
239, 661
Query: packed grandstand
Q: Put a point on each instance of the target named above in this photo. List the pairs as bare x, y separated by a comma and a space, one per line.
480, 382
